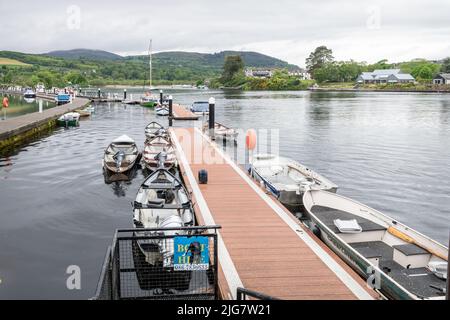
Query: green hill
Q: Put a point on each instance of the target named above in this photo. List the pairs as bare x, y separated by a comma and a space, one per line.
84, 54
93, 67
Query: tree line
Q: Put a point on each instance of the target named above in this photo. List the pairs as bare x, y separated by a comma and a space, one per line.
323, 67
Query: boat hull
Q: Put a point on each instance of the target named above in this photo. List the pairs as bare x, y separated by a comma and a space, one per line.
148, 104
121, 169
70, 123
153, 165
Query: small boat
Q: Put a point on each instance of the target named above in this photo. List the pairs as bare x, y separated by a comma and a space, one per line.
200, 107
223, 132
71, 119
29, 100
29, 94
121, 155
153, 148
287, 179
149, 101
62, 98
162, 202
408, 264
84, 113
162, 111
154, 129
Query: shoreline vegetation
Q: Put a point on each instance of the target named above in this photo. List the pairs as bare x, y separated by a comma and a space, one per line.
182, 69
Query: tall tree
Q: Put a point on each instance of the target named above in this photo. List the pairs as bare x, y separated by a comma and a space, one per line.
318, 58
446, 65
232, 66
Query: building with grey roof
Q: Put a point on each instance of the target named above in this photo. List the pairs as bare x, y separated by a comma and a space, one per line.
442, 78
385, 76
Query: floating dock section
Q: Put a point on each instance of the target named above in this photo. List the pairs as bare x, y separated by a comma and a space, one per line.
261, 246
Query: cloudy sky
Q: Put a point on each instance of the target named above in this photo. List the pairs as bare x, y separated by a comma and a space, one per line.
288, 29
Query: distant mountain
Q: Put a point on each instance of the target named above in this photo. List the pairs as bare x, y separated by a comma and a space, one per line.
97, 67
180, 58
84, 54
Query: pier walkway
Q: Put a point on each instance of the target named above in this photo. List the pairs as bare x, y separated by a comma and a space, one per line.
182, 113
15, 127
262, 247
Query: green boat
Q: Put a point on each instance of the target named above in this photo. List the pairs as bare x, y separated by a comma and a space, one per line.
149, 102
71, 119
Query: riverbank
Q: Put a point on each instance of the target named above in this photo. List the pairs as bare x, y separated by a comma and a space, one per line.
409, 87
19, 129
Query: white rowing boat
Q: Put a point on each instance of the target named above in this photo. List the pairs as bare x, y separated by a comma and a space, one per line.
121, 155
287, 179
401, 262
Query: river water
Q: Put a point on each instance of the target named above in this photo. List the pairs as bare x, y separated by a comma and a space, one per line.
18, 106
389, 151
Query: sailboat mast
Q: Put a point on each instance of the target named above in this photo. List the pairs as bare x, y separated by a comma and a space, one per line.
150, 63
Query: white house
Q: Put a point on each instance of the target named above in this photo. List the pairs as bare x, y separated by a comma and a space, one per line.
442, 78
301, 73
385, 76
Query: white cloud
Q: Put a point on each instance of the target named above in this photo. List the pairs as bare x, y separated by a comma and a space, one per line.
290, 30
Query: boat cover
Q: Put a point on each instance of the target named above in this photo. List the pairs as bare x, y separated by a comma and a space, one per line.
348, 226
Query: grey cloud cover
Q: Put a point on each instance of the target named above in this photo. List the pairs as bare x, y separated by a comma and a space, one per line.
357, 29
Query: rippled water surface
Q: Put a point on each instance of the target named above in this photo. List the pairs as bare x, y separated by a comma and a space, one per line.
390, 151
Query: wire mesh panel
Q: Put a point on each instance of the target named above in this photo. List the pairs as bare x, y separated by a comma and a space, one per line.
160, 264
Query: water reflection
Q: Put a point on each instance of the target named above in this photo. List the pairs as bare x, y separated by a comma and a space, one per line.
120, 182
18, 106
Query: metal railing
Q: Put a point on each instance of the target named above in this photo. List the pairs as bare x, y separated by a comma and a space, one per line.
161, 264
244, 294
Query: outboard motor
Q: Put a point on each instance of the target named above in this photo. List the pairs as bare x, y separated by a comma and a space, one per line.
118, 158
161, 157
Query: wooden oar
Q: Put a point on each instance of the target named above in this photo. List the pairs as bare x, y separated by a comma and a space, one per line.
404, 237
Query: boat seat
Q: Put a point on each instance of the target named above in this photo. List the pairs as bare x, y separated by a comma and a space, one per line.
373, 249
410, 249
411, 256
328, 215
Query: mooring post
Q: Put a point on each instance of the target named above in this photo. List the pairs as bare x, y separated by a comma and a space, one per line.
447, 295
212, 120
124, 94
170, 111
99, 93
161, 97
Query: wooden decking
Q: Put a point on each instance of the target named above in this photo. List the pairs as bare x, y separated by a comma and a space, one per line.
181, 113
261, 245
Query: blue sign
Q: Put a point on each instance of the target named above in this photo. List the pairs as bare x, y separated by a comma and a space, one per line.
191, 253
